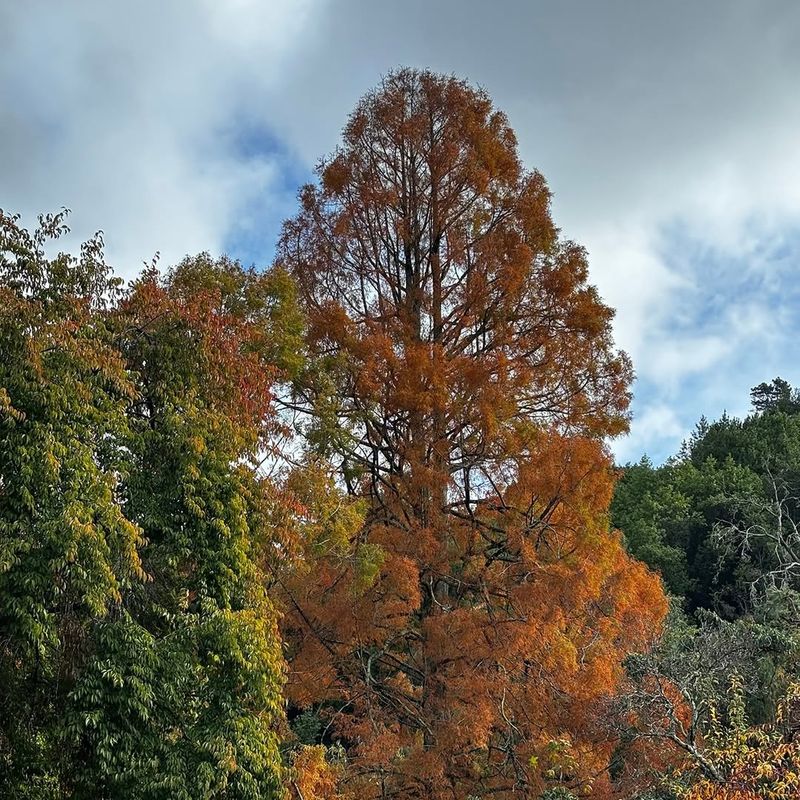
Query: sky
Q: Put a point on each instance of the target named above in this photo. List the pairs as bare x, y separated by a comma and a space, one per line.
667, 131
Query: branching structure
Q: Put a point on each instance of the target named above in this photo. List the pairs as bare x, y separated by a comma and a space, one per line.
474, 371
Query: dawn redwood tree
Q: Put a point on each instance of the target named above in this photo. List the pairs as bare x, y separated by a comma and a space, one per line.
472, 368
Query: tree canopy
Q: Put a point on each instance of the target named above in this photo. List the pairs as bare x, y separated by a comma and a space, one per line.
139, 653
473, 371
719, 521
734, 482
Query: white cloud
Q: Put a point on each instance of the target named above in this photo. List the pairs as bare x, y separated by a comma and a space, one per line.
128, 114
658, 425
643, 117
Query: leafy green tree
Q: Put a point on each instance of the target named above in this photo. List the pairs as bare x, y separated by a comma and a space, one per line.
68, 553
777, 395
139, 655
646, 507
668, 516
725, 477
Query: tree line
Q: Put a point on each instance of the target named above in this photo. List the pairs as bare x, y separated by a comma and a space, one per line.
341, 528
719, 522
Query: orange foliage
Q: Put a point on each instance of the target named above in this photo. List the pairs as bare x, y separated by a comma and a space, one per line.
225, 360
314, 777
476, 372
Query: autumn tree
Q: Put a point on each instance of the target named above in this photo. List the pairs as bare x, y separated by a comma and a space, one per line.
205, 346
139, 653
464, 381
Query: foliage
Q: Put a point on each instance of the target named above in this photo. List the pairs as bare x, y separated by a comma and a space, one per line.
704, 519
341, 529
317, 774
758, 763
677, 690
458, 639
139, 655
719, 521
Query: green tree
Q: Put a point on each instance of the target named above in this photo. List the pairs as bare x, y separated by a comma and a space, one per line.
668, 516
67, 550
725, 477
644, 506
720, 522
140, 656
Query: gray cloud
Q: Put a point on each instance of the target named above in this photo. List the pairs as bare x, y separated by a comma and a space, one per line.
127, 113
645, 117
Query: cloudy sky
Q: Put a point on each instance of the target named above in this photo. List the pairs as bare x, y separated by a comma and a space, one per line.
669, 133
